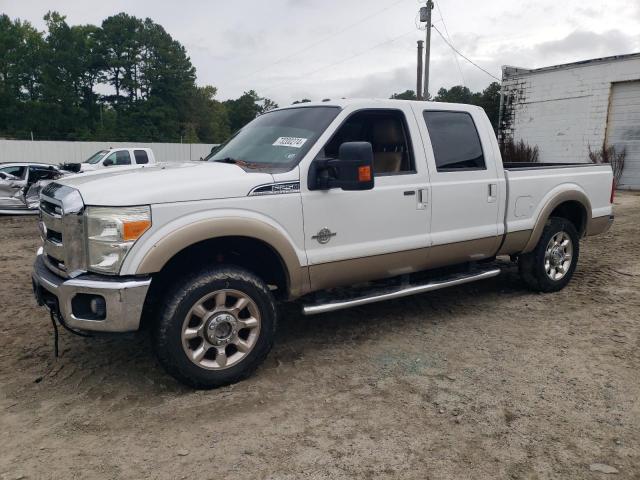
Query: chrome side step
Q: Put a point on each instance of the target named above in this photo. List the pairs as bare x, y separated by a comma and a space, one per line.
399, 292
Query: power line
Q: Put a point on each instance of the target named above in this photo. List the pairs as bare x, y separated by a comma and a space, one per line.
462, 55
446, 30
322, 40
324, 67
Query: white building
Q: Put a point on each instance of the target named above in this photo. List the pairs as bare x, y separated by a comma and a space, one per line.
564, 109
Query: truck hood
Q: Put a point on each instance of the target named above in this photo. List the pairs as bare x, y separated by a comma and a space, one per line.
165, 183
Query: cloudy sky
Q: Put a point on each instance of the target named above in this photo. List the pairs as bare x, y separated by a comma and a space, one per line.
291, 49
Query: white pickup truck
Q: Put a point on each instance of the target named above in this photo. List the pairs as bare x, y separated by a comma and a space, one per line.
114, 157
331, 205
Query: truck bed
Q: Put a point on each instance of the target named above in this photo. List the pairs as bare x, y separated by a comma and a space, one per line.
531, 185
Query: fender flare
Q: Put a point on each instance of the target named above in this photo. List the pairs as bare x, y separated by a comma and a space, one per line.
550, 205
208, 229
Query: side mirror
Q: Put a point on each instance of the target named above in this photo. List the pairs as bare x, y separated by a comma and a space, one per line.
3, 176
352, 170
108, 162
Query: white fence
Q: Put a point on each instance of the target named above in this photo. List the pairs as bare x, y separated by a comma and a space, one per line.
59, 152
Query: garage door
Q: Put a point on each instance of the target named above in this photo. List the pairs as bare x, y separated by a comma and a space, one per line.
623, 129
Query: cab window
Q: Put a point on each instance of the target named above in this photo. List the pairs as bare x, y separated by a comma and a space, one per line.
386, 131
14, 173
119, 158
42, 173
141, 157
455, 141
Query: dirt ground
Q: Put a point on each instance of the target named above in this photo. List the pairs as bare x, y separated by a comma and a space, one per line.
483, 381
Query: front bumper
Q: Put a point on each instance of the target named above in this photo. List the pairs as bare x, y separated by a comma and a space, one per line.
123, 298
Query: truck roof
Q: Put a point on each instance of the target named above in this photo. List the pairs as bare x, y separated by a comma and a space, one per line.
383, 103
127, 148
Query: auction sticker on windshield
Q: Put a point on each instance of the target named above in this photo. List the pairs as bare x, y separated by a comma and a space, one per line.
294, 142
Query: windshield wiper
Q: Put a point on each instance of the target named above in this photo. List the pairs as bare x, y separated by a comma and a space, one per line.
228, 160
240, 163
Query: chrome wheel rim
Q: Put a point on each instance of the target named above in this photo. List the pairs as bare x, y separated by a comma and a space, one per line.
558, 256
221, 329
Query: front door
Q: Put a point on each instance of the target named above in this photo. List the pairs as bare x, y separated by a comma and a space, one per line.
352, 236
13, 180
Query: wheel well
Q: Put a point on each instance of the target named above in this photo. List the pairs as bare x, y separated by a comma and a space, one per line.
250, 253
574, 212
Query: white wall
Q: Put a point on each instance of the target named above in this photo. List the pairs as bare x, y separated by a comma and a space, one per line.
59, 152
562, 110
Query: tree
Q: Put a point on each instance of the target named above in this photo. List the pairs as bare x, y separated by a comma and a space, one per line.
120, 45
126, 79
490, 101
267, 104
244, 109
209, 115
456, 94
406, 95
21, 54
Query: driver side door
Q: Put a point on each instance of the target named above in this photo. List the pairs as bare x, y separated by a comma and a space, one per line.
12, 183
355, 236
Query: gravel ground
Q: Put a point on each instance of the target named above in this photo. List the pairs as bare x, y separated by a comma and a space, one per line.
482, 381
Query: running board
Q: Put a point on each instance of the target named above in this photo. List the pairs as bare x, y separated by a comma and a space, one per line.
399, 292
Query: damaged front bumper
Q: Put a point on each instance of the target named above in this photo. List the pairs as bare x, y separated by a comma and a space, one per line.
91, 302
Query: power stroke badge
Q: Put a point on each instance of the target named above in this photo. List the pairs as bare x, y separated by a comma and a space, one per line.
324, 235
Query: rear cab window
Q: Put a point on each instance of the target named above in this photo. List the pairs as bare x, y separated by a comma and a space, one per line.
455, 141
141, 157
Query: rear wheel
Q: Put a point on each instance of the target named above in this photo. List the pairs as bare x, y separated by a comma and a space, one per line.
216, 327
550, 266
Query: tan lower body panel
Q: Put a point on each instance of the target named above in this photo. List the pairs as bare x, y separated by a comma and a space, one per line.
357, 270
599, 225
515, 242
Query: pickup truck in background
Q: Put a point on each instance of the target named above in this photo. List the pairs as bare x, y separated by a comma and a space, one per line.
329, 205
113, 157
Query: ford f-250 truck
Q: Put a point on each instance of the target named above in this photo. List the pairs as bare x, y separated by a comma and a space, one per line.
114, 157
331, 205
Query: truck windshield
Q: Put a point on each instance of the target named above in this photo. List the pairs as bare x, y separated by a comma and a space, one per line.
277, 139
96, 157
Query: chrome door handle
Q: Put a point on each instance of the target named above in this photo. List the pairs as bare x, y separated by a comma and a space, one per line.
423, 198
493, 192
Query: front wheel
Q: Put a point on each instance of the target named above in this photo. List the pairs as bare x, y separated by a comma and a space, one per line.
216, 327
550, 266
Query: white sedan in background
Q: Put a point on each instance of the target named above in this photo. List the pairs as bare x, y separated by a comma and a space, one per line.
20, 184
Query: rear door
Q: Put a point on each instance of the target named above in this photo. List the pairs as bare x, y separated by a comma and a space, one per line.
465, 197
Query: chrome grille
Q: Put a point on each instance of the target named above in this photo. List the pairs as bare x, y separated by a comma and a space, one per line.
62, 229
51, 208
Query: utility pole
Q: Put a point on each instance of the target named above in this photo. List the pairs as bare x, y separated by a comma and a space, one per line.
425, 15
419, 78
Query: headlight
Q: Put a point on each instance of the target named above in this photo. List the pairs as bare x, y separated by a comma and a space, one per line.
111, 233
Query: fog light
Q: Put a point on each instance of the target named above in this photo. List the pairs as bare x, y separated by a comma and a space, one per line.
89, 307
98, 307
